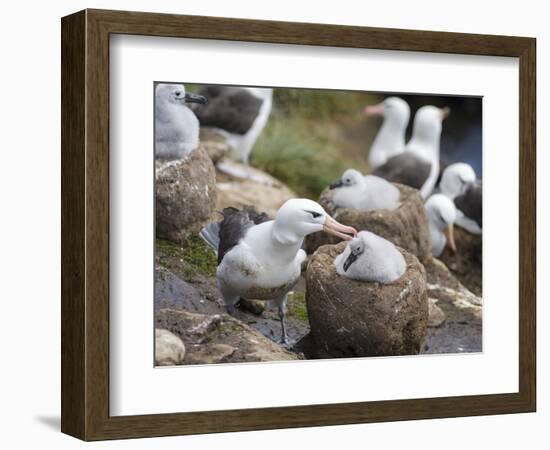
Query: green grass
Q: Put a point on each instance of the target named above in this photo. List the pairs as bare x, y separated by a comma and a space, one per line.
193, 251
312, 137
300, 157
297, 306
318, 104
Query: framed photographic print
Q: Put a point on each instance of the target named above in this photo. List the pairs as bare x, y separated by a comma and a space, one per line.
272, 225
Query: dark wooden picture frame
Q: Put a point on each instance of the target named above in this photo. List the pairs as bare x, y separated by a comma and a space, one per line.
85, 224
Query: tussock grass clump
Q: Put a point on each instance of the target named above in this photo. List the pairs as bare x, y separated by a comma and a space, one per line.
312, 136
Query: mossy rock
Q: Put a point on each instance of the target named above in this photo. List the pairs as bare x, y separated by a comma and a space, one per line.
354, 318
406, 226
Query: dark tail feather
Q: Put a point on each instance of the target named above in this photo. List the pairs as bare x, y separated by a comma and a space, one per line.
211, 235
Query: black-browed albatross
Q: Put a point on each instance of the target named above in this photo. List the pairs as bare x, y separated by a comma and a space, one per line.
460, 184
239, 113
260, 258
441, 214
418, 165
390, 139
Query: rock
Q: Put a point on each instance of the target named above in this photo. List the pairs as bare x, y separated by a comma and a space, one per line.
265, 193
215, 150
169, 349
436, 315
406, 226
219, 338
466, 263
172, 292
445, 287
462, 329
353, 318
211, 354
185, 195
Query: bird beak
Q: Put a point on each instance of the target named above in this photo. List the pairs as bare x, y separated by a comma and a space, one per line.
349, 261
195, 98
445, 112
449, 234
336, 184
374, 110
337, 229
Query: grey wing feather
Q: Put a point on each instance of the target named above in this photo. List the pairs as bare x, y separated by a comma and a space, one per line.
234, 226
405, 168
211, 235
471, 202
231, 109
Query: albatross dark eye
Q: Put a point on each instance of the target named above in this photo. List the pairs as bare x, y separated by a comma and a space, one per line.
314, 214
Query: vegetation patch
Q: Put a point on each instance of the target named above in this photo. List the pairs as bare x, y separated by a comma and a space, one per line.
297, 306
191, 257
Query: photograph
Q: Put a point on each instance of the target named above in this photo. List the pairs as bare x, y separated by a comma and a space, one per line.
298, 224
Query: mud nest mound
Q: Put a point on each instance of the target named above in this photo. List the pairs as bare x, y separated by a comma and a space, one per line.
354, 318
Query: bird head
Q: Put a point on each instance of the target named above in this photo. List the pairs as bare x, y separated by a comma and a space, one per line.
456, 178
441, 213
350, 177
176, 94
393, 109
299, 217
428, 122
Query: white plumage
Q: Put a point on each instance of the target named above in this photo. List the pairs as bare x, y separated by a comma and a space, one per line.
364, 193
441, 213
176, 126
425, 142
455, 180
418, 165
390, 139
369, 257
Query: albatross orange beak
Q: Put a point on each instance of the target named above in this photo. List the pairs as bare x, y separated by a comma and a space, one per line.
374, 110
449, 234
337, 229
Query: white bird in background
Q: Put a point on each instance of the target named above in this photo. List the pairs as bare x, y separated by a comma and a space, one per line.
364, 193
460, 185
369, 257
441, 213
418, 165
176, 126
238, 113
390, 139
260, 258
